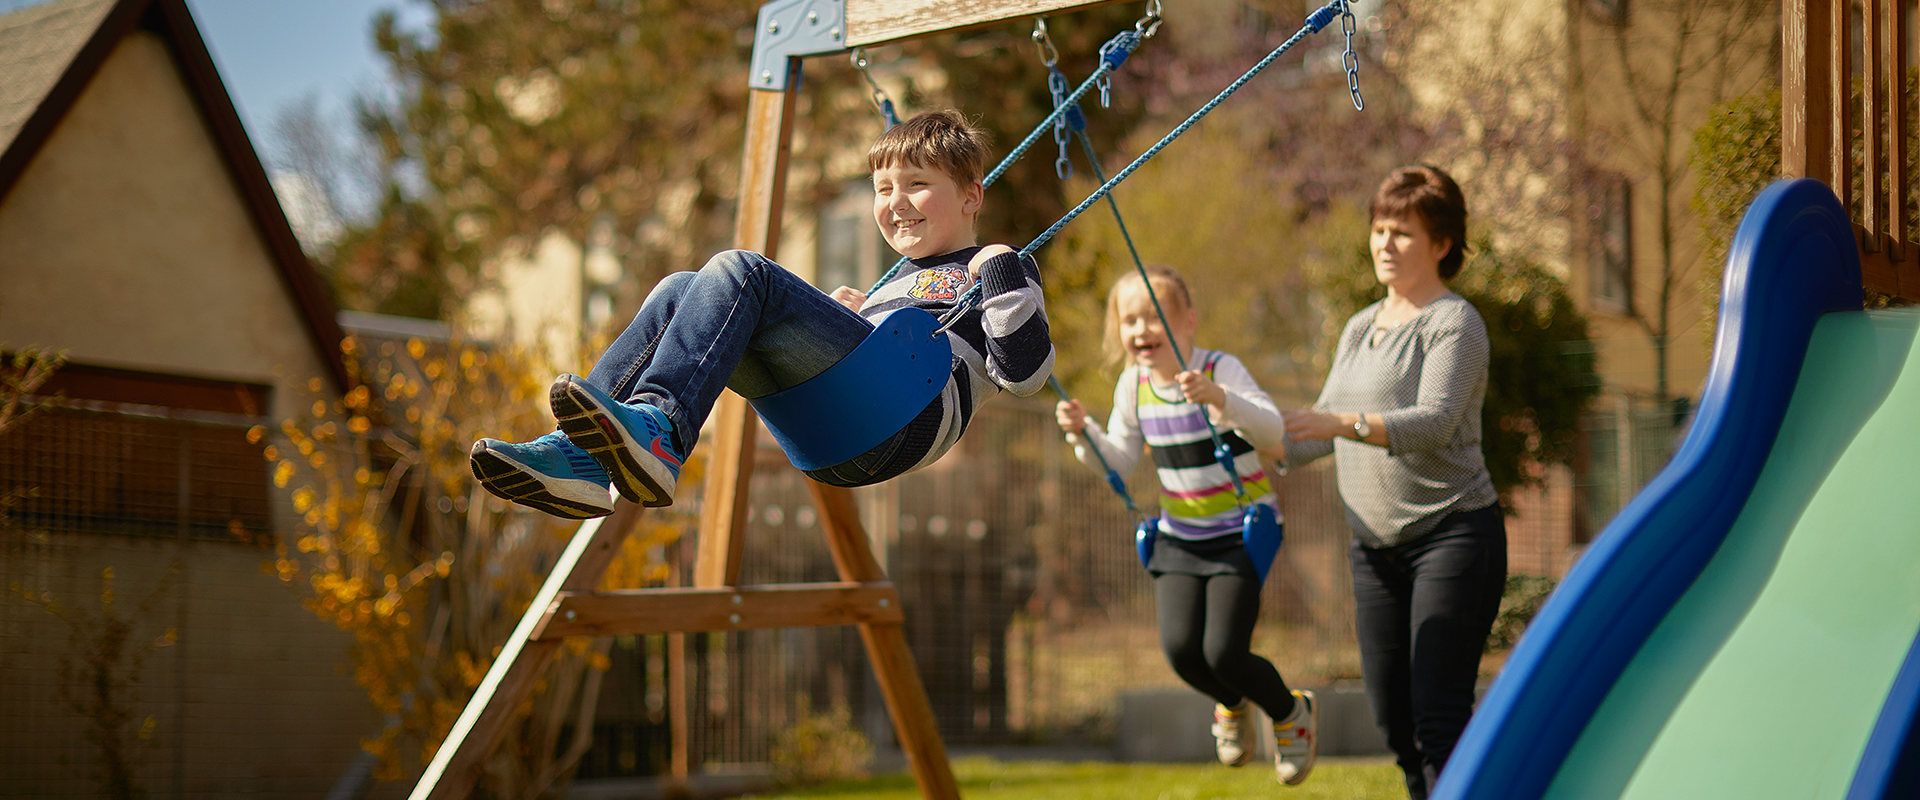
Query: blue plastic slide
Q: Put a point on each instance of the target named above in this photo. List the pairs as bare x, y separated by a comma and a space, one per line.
1749, 626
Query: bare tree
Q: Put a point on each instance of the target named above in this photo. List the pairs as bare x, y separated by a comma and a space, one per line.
1646, 77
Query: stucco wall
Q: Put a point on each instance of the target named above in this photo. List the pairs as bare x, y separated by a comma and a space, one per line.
126, 244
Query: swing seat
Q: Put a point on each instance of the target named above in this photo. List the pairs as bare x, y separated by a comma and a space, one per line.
863, 398
1259, 533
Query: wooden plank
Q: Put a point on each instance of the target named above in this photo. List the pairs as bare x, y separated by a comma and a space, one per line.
723, 513
1840, 96
846, 537
1894, 58
1805, 129
797, 605
455, 767
1887, 276
1871, 153
871, 22
763, 189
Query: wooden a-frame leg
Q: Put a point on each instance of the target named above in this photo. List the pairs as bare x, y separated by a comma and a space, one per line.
887, 650
510, 680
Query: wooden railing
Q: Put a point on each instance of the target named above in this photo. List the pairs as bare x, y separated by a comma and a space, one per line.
1822, 122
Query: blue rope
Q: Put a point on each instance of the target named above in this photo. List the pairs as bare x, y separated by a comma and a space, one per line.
1221, 452
1118, 484
1314, 24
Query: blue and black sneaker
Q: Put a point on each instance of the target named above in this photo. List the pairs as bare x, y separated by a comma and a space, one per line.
549, 474
632, 441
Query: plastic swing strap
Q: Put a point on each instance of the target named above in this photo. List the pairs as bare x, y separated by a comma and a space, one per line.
862, 399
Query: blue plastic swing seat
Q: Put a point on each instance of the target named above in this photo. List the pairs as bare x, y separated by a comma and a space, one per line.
1260, 533
865, 397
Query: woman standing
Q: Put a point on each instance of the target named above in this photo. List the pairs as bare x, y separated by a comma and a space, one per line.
1401, 409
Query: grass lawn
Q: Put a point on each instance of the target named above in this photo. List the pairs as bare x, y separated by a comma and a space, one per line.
984, 778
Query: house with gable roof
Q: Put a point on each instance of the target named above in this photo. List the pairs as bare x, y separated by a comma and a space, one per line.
145, 645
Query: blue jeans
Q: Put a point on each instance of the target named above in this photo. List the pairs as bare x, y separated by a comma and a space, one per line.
742, 322
1422, 612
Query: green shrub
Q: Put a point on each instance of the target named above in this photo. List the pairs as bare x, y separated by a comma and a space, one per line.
820, 748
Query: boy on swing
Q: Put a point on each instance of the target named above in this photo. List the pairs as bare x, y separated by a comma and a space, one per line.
745, 323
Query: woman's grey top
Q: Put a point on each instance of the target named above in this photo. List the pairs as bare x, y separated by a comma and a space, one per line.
1427, 378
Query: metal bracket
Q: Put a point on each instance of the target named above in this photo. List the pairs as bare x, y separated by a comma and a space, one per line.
791, 29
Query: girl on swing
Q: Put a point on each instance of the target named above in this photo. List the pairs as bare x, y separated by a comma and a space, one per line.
747, 324
1206, 587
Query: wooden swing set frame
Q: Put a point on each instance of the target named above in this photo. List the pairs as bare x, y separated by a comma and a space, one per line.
567, 604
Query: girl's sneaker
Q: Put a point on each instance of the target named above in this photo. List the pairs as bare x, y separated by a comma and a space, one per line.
1233, 733
1296, 742
632, 441
547, 474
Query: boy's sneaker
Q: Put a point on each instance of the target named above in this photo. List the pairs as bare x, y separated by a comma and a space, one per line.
1296, 742
548, 474
632, 441
1233, 733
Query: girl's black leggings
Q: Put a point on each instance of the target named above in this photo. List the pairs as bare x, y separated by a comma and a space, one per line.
1206, 629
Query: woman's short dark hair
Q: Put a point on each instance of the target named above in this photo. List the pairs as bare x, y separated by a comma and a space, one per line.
1429, 193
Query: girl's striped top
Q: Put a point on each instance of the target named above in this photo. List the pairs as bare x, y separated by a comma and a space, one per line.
1197, 500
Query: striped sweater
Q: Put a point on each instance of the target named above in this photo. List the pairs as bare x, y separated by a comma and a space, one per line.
1196, 494
1002, 343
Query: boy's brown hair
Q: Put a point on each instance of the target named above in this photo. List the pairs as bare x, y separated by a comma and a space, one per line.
1167, 285
943, 140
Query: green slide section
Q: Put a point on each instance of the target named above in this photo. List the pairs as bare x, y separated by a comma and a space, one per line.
1766, 678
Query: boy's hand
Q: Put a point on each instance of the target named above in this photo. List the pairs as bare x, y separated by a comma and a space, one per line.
850, 297
1071, 416
1200, 389
986, 254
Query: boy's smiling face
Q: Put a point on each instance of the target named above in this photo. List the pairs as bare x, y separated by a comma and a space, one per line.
923, 211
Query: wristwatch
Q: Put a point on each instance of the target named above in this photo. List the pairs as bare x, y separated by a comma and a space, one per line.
1361, 430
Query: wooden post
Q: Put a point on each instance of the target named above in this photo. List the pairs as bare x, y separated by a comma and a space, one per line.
1838, 41
1871, 151
1894, 59
1805, 126
892, 659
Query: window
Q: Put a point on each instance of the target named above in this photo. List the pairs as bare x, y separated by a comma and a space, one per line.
1610, 244
1612, 12
140, 453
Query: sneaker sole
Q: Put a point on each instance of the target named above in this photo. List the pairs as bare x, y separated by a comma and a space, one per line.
1313, 744
510, 480
592, 428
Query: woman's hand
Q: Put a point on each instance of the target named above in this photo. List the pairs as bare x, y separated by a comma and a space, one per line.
1071, 416
1200, 389
1306, 423
850, 297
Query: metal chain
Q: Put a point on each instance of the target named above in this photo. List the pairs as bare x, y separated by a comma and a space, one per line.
879, 96
1350, 59
1056, 86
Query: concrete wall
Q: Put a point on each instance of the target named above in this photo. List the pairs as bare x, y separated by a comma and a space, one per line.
126, 244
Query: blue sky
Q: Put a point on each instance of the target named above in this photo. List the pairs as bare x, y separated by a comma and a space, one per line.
275, 52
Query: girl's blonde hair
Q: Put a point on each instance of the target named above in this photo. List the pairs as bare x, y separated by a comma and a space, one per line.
1168, 286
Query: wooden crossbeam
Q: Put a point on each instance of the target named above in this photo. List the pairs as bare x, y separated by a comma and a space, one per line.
871, 22
793, 605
